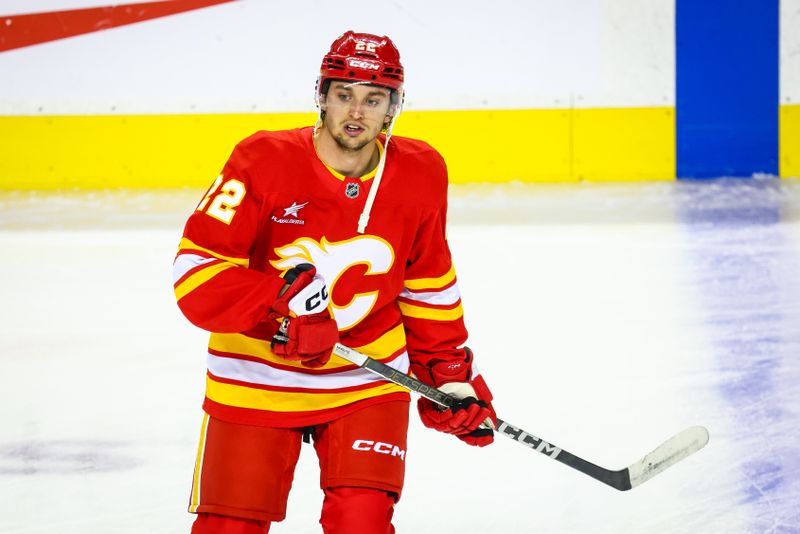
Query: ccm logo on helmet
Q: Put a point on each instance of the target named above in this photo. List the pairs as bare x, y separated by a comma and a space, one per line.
361, 64
379, 447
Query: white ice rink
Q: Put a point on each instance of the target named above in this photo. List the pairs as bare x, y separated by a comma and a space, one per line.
605, 319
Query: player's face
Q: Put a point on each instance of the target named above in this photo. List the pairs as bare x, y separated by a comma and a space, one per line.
355, 113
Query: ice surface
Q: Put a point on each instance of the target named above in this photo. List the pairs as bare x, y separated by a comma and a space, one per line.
637, 310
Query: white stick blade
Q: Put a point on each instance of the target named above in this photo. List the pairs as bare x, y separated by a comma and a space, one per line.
351, 355
668, 454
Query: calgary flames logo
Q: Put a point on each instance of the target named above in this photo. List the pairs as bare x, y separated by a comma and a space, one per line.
332, 260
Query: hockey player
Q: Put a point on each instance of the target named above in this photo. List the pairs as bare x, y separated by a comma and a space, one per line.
309, 237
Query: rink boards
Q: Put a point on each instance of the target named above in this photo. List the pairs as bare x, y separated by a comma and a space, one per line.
544, 145
542, 91
146, 151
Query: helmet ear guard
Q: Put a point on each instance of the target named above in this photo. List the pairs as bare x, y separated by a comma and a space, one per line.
397, 98
320, 88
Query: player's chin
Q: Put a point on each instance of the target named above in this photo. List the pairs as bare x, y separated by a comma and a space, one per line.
358, 142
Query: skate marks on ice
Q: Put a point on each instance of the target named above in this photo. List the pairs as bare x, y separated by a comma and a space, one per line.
65, 457
743, 239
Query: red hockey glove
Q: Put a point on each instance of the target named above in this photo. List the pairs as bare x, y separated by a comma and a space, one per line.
466, 419
308, 332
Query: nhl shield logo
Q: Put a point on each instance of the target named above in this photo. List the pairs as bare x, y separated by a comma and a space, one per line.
352, 190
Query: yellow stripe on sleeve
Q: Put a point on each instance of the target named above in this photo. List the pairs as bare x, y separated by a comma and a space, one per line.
432, 283
434, 314
187, 244
284, 401
200, 277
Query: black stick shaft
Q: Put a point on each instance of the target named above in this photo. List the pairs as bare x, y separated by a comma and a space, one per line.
616, 479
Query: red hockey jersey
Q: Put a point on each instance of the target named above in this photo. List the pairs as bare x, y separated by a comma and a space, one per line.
393, 289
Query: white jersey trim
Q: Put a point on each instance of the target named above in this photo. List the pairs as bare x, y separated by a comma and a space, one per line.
445, 297
265, 375
185, 263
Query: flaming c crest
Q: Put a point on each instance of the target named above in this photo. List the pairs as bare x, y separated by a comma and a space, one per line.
332, 260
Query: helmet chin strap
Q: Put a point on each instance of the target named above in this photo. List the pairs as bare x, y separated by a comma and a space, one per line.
363, 220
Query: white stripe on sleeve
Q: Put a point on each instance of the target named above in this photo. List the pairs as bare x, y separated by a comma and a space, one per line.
185, 263
445, 297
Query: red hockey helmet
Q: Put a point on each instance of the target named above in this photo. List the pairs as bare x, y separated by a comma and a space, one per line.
362, 57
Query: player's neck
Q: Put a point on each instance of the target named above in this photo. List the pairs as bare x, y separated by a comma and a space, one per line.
354, 163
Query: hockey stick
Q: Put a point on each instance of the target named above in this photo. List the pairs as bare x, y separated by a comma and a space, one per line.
665, 455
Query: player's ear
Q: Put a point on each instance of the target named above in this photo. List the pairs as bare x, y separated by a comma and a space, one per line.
389, 115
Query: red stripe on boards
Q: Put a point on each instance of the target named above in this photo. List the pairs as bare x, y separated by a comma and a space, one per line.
17, 31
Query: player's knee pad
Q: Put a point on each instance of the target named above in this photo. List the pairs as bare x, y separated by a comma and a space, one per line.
222, 524
349, 510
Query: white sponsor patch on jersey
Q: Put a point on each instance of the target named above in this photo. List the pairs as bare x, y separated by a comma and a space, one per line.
293, 209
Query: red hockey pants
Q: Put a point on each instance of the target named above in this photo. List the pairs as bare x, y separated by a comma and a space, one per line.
344, 511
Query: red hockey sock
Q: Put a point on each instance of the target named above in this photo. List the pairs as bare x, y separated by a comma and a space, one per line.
222, 524
357, 511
